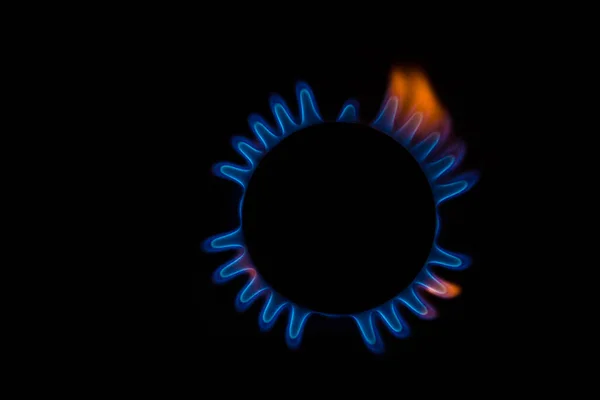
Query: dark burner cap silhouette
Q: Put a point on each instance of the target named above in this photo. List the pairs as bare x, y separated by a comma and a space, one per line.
338, 218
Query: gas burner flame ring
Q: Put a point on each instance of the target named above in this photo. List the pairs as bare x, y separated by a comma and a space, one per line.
436, 158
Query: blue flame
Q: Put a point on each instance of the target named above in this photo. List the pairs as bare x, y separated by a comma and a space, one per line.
269, 137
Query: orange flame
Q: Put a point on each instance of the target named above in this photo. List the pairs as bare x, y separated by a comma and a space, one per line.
415, 93
451, 290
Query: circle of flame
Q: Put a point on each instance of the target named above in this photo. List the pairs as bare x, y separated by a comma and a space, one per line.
443, 185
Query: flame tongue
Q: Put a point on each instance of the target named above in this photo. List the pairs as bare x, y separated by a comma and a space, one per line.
413, 89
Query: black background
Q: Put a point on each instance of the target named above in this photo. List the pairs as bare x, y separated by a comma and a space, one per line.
215, 97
